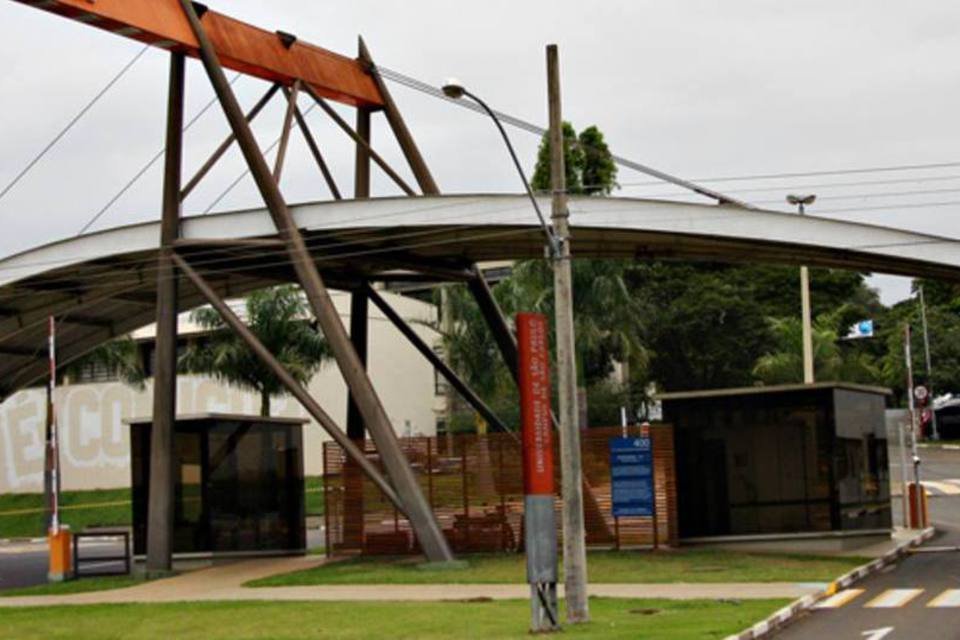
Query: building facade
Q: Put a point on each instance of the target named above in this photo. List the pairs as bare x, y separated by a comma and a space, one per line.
95, 444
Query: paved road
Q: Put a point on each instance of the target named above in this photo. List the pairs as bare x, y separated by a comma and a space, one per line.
25, 564
919, 599
23, 568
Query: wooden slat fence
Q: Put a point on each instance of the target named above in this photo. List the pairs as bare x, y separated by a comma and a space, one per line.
475, 486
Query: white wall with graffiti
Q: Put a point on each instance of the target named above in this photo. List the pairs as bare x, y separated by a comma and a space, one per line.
95, 442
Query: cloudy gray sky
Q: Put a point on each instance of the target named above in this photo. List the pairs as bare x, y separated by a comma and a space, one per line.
696, 88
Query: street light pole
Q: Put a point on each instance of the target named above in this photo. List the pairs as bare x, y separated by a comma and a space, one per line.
808, 377
453, 89
558, 246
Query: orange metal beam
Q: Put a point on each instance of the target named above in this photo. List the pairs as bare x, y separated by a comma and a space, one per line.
240, 46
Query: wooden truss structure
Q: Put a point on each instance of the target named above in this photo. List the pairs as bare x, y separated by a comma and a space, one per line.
189, 29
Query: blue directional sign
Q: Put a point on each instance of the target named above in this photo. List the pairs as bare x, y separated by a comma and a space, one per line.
631, 476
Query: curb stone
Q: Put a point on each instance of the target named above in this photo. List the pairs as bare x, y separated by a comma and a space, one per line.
786, 615
5, 542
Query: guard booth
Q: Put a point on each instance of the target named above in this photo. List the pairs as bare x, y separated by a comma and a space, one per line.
781, 460
239, 485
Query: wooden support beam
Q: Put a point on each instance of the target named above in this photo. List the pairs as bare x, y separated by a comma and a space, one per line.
403, 480
161, 487
358, 337
292, 95
317, 156
229, 243
288, 381
400, 182
407, 144
361, 174
239, 46
225, 145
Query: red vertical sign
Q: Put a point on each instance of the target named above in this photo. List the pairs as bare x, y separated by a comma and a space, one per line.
534, 364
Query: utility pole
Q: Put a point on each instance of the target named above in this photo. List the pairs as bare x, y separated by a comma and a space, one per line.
574, 536
934, 432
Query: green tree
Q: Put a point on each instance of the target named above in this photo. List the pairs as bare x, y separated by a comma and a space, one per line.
277, 316
599, 172
702, 328
944, 330
588, 163
573, 160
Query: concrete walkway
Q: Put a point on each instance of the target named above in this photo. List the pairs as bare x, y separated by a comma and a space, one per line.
224, 582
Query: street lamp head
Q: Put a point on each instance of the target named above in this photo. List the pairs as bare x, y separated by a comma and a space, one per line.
807, 199
453, 88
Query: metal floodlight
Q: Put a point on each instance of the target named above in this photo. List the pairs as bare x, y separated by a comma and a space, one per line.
795, 199
453, 88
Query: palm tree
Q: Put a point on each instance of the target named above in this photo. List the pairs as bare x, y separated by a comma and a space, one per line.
784, 365
277, 316
120, 357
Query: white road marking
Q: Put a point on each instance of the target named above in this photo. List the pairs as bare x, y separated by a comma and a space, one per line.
877, 634
838, 599
946, 488
893, 598
949, 598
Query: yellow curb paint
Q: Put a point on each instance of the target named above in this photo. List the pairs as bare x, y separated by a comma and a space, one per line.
838, 600
69, 507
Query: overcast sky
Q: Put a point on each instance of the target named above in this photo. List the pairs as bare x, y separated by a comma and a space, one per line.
696, 88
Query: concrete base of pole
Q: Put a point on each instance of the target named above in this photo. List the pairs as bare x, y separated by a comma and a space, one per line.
543, 608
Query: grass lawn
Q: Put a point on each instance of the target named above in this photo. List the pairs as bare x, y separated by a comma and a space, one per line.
21, 514
83, 585
635, 619
685, 565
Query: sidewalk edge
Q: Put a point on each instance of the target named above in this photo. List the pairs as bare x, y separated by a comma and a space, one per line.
788, 614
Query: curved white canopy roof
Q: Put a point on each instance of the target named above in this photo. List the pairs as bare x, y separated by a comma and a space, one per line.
102, 285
